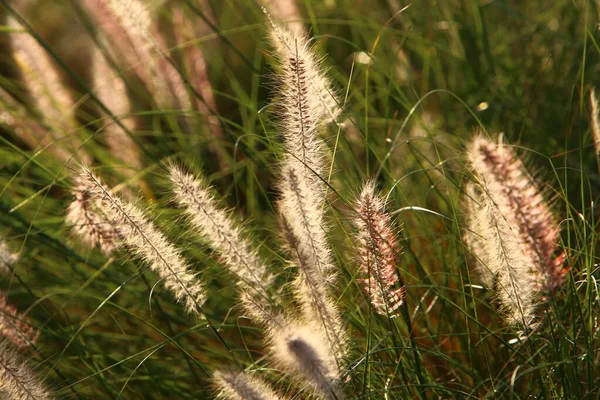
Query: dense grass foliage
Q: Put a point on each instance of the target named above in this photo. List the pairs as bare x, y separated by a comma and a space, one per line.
415, 82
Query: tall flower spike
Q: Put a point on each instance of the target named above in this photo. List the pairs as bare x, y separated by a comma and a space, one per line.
14, 326
307, 104
17, 381
513, 190
87, 222
303, 228
49, 95
228, 239
141, 236
378, 251
306, 98
242, 386
520, 235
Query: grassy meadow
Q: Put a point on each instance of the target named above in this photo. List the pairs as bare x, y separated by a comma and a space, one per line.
415, 81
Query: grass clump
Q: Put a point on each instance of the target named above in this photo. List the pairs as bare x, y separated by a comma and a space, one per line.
256, 164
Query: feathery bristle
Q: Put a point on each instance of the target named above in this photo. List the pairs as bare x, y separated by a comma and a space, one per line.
227, 238
378, 251
511, 261
477, 219
519, 237
304, 351
242, 386
87, 223
302, 81
306, 100
17, 381
141, 236
166, 83
303, 228
307, 103
14, 326
512, 189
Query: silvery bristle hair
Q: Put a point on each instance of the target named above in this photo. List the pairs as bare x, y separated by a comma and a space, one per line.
302, 76
512, 190
166, 83
148, 243
228, 239
304, 230
307, 103
17, 381
87, 223
517, 237
306, 99
15, 327
303, 352
378, 251
476, 220
111, 90
242, 386
508, 260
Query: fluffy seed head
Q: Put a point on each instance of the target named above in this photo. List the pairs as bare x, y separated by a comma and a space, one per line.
304, 230
227, 238
303, 351
378, 251
242, 386
87, 222
505, 257
141, 236
17, 381
511, 231
305, 97
512, 189
14, 326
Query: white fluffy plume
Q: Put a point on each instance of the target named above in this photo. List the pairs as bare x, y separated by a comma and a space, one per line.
145, 240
